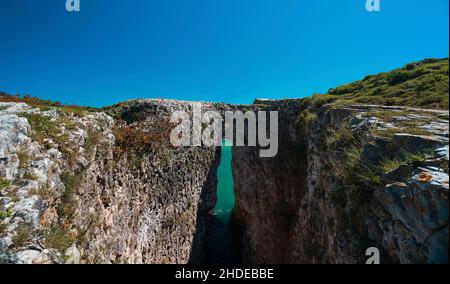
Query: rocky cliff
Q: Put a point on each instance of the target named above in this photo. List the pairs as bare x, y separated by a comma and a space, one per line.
81, 185
352, 174
347, 179
90, 188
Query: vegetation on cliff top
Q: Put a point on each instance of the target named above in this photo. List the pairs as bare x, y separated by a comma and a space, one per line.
44, 105
423, 84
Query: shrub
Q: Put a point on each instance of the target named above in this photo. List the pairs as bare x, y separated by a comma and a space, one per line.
24, 159
319, 100
4, 184
30, 176
397, 77
93, 138
58, 237
67, 208
44, 192
403, 158
356, 179
23, 234
42, 126
5, 214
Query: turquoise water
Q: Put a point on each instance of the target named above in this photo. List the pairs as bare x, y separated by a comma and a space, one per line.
223, 237
225, 194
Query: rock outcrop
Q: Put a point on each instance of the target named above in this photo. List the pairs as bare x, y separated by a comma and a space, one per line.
108, 187
91, 188
346, 179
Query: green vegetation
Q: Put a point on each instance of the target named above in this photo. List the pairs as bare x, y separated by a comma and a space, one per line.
23, 234
58, 237
405, 158
357, 180
44, 105
30, 176
68, 123
24, 159
4, 184
44, 192
93, 138
421, 84
5, 214
304, 124
67, 208
42, 126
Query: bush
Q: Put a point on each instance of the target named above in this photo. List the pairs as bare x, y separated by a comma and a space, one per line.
93, 138
23, 234
67, 208
58, 237
24, 159
42, 126
4, 184
5, 214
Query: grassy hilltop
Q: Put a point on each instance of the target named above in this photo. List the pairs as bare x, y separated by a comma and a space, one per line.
422, 84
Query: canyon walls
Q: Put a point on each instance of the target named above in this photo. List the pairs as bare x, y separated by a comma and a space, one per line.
108, 187
346, 179
268, 191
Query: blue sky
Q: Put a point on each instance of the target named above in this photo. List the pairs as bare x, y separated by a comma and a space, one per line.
213, 50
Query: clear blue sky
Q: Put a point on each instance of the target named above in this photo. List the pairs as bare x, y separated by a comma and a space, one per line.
214, 50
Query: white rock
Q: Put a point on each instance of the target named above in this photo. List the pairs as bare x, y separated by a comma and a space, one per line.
73, 255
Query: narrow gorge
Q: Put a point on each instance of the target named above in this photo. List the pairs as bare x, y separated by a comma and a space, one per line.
106, 186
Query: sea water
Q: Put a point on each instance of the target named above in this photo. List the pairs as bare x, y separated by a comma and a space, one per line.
223, 239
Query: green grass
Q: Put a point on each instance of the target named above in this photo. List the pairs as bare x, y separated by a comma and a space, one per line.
4, 184
5, 214
42, 126
356, 180
44, 192
390, 132
45, 105
404, 158
58, 237
67, 208
30, 176
93, 138
421, 84
23, 235
24, 159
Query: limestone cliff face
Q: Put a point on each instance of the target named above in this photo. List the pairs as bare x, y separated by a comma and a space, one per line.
268, 191
108, 187
388, 190
345, 179
97, 189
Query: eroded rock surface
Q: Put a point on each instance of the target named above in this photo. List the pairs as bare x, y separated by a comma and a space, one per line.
351, 177
107, 187
91, 188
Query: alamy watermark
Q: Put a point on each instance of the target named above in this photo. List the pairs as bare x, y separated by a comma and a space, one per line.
373, 5
206, 129
374, 255
73, 6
